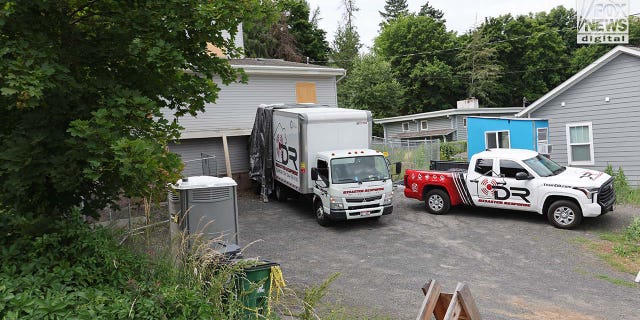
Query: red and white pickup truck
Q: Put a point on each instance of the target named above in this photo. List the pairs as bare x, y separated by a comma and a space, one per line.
519, 180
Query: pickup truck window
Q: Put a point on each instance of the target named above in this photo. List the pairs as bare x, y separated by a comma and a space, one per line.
484, 167
509, 168
544, 166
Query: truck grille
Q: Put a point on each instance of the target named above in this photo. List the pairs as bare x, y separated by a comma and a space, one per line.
606, 194
355, 200
366, 206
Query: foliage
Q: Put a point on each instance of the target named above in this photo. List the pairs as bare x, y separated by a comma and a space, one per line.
478, 63
624, 192
370, 85
82, 89
419, 51
346, 43
68, 270
448, 150
429, 11
633, 231
394, 9
309, 38
312, 297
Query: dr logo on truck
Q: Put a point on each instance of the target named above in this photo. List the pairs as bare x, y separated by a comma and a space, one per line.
519, 180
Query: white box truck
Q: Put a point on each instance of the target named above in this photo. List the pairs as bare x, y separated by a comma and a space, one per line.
322, 153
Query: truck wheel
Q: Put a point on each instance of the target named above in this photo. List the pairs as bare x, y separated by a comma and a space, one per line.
321, 216
564, 214
281, 192
437, 201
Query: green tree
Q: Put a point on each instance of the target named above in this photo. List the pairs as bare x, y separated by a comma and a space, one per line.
371, 86
262, 28
309, 38
419, 50
428, 11
346, 44
82, 84
478, 63
393, 9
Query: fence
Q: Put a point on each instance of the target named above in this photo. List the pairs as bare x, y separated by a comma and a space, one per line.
414, 154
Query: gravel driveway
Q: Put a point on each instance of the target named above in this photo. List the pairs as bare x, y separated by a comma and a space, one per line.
516, 264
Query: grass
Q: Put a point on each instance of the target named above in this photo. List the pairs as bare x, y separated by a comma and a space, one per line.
616, 281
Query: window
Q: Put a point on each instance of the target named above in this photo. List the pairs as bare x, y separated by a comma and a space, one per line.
580, 143
543, 140
497, 139
423, 125
484, 167
464, 122
405, 126
306, 92
509, 168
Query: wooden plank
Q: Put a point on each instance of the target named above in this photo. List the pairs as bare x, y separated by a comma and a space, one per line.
468, 303
442, 305
431, 291
454, 310
227, 160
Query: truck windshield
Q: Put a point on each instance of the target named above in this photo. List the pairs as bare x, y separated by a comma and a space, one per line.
359, 169
543, 166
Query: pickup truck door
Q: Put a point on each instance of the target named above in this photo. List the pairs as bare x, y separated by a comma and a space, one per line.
481, 178
514, 194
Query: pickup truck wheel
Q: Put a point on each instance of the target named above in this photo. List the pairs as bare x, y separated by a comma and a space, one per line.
564, 214
321, 216
437, 202
281, 192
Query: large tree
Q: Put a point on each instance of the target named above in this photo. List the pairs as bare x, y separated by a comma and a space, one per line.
477, 62
82, 84
420, 51
429, 11
393, 9
346, 44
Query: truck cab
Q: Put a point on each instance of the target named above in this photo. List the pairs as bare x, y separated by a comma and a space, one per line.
351, 184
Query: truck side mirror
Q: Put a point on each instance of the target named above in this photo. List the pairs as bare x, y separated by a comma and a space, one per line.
398, 167
523, 176
314, 174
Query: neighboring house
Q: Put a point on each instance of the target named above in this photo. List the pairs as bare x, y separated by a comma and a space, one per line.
445, 125
594, 117
504, 132
224, 128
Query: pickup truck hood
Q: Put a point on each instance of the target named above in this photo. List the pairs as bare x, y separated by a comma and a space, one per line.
577, 177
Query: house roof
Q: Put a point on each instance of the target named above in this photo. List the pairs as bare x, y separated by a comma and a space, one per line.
279, 66
424, 133
578, 77
448, 112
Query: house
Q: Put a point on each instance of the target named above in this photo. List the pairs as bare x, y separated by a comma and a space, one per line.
223, 129
446, 125
594, 116
506, 132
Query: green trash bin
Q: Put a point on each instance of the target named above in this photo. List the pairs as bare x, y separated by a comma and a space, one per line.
253, 285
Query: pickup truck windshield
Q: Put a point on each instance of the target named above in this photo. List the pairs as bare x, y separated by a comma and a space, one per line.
543, 166
359, 169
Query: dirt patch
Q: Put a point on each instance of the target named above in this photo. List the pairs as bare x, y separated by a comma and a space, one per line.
536, 310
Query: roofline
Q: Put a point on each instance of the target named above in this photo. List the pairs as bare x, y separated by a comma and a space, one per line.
510, 118
448, 112
253, 69
578, 77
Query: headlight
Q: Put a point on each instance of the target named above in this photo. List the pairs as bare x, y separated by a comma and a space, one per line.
589, 192
388, 198
336, 203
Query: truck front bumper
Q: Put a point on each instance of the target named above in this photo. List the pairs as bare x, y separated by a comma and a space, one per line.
341, 215
595, 209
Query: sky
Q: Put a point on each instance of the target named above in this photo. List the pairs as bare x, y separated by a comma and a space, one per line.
461, 15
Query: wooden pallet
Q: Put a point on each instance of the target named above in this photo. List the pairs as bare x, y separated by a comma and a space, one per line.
458, 305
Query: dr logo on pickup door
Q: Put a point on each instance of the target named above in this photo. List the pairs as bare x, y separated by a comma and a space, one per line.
501, 192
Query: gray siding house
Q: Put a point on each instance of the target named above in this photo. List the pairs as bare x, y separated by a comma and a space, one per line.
594, 117
446, 125
230, 119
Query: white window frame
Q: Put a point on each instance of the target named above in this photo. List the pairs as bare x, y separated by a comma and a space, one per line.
545, 141
408, 127
486, 139
424, 125
569, 144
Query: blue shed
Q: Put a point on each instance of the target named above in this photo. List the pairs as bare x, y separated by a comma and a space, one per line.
515, 133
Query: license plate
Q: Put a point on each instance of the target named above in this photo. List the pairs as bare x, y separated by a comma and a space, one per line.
365, 213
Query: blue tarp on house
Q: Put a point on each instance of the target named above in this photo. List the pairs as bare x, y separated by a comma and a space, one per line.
515, 133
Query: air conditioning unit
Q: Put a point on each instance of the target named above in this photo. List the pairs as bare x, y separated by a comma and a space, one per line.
205, 206
544, 148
